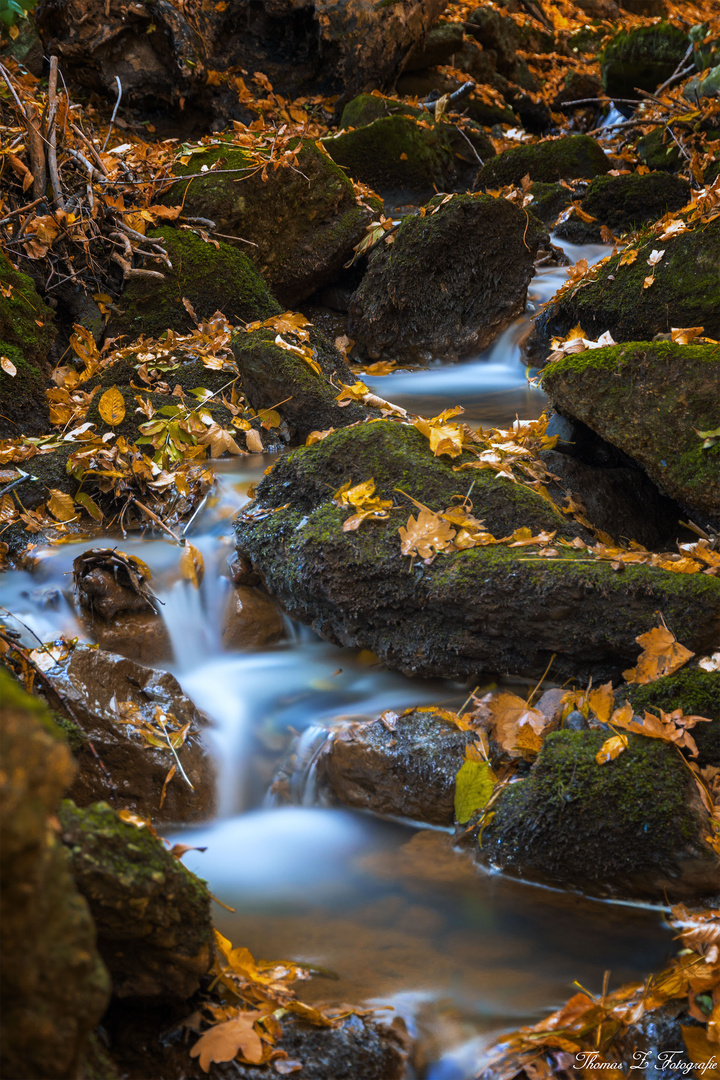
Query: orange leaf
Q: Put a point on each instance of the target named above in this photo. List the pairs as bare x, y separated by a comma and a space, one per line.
662, 655
224, 1042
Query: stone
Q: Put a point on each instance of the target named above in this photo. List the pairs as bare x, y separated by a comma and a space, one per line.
252, 620
479, 610
574, 157
397, 766
625, 202
94, 686
54, 985
641, 59
152, 915
632, 828
141, 636
650, 400
476, 254
693, 690
440, 44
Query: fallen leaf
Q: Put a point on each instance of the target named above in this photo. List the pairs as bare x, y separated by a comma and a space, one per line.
655, 257
254, 441
611, 749
60, 505
224, 1042
8, 367
710, 663
685, 335
112, 407
474, 784
192, 564
508, 714
426, 535
661, 655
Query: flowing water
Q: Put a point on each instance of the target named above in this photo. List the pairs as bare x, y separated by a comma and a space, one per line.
387, 912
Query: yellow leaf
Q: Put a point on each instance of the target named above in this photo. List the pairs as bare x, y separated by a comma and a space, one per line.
611, 749
224, 1042
8, 367
60, 505
601, 702
648, 281
685, 335
509, 714
474, 784
112, 407
426, 536
702, 1052
661, 655
253, 441
192, 564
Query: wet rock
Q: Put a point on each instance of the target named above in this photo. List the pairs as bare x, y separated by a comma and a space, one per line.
693, 690
450, 618
152, 915
636, 821
55, 987
650, 400
686, 292
577, 86
625, 202
212, 276
23, 408
641, 59
440, 44
141, 636
397, 766
703, 86
300, 224
576, 157
252, 620
476, 254
271, 374
99, 690
163, 55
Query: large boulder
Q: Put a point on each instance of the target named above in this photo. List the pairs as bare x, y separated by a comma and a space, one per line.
299, 222
453, 279
693, 690
650, 400
115, 713
574, 157
685, 293
213, 276
641, 59
152, 915
633, 827
55, 987
163, 55
27, 331
484, 609
629, 200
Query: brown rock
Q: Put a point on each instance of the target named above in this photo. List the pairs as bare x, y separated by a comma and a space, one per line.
252, 619
100, 689
141, 636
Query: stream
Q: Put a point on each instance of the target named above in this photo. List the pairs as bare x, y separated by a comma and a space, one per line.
387, 912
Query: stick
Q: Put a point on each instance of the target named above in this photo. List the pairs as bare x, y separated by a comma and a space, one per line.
91, 148
678, 73
36, 150
178, 540
457, 95
114, 112
52, 134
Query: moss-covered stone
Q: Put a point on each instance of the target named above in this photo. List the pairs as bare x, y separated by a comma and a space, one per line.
650, 400
300, 223
685, 292
549, 200
27, 331
485, 609
440, 44
450, 282
693, 690
703, 86
308, 400
213, 278
627, 201
577, 157
629, 827
54, 985
658, 150
641, 59
152, 915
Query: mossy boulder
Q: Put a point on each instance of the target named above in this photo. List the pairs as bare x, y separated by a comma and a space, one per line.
274, 376
93, 684
55, 987
27, 332
548, 201
650, 400
630, 200
480, 610
633, 827
299, 224
641, 59
152, 915
402, 766
440, 44
658, 150
212, 276
399, 156
693, 690
574, 157
450, 282
685, 292
703, 86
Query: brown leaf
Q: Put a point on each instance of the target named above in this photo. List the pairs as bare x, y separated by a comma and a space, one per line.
611, 749
112, 407
509, 714
192, 564
224, 1042
253, 441
426, 535
60, 505
661, 655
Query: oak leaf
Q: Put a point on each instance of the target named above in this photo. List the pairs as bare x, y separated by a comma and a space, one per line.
662, 655
224, 1042
426, 535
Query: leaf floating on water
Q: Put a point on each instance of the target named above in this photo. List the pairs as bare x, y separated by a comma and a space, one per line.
112, 407
611, 749
224, 1042
192, 564
662, 655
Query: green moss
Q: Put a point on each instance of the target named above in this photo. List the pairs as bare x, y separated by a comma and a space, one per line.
658, 150
571, 158
13, 696
27, 332
624, 202
693, 690
212, 276
579, 824
549, 200
365, 108
395, 153
670, 393
641, 58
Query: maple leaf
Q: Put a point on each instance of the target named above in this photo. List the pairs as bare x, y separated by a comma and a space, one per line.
224, 1042
444, 438
508, 715
426, 535
474, 784
366, 504
219, 440
662, 655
